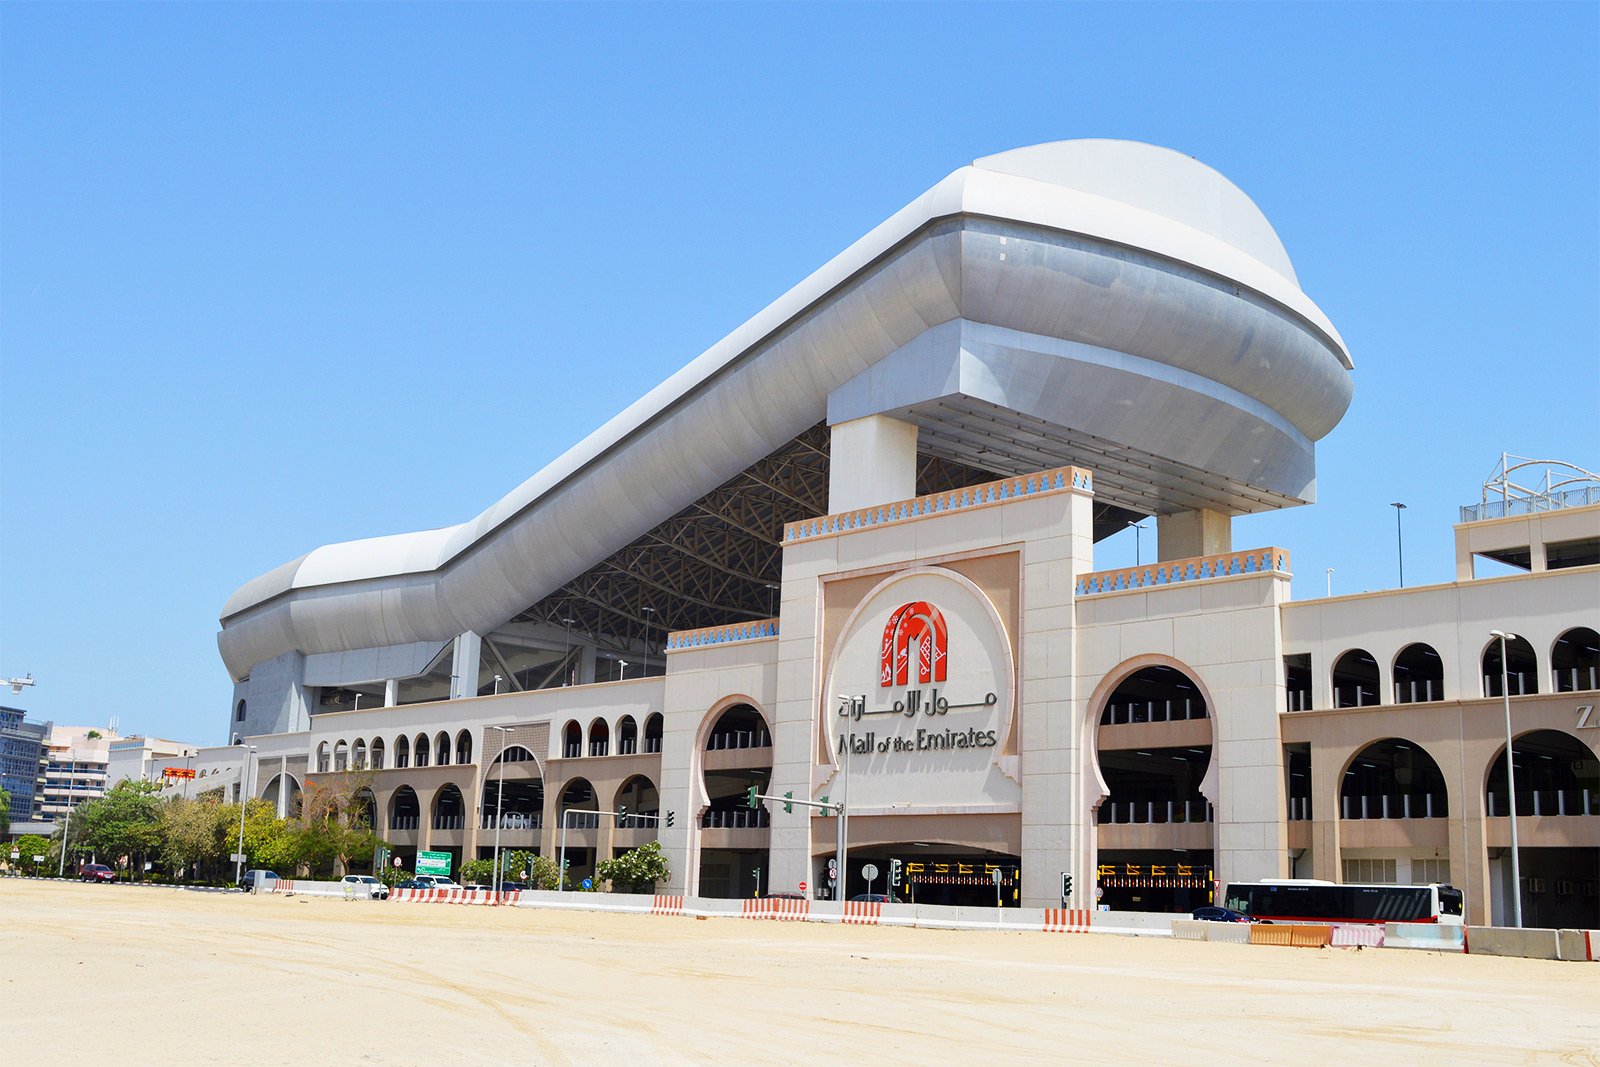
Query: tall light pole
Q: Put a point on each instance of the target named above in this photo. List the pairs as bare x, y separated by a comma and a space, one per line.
1511, 780
842, 820
1138, 528
500, 800
1399, 545
1330, 581
244, 799
61, 868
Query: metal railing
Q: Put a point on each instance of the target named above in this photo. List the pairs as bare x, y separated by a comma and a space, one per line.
1547, 802
1128, 812
738, 739
1409, 693
644, 820
652, 745
599, 748
573, 750
449, 822
404, 822
1299, 809
1298, 699
1355, 696
512, 820
627, 746
582, 820
1393, 806
1567, 681
736, 819
1499, 509
1516, 682
1152, 711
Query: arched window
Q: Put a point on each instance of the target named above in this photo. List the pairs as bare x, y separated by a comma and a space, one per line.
627, 736
238, 712
1418, 675
405, 813
441, 749
1154, 694
419, 748
1393, 779
652, 733
1575, 661
358, 755
341, 756
638, 797
599, 738
1556, 774
741, 726
572, 741
449, 809
322, 757
1521, 668
578, 797
402, 751
1355, 679
464, 747
377, 753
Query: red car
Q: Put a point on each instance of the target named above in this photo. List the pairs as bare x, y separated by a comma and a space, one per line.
97, 872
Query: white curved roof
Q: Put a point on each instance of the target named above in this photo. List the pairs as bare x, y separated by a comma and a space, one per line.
771, 377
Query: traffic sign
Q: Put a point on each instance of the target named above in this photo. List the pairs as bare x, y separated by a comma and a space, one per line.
802, 887
588, 883
15, 854
869, 871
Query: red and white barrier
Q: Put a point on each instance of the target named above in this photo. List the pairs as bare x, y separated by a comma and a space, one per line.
665, 905
456, 896
862, 912
1066, 920
1365, 934
769, 908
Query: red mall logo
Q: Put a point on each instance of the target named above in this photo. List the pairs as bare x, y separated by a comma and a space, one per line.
920, 626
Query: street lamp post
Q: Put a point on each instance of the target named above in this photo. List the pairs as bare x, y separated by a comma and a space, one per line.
1138, 528
1330, 581
66, 828
1511, 780
1399, 545
244, 799
500, 798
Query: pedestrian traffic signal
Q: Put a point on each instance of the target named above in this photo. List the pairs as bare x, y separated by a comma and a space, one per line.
894, 872
670, 817
751, 796
788, 801
1066, 888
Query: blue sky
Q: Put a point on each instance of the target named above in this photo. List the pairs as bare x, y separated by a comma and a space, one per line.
277, 276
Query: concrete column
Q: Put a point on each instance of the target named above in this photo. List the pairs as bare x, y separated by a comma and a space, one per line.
464, 666
283, 787
1186, 534
871, 461
391, 693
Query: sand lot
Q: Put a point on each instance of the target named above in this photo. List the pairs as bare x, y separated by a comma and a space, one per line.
199, 977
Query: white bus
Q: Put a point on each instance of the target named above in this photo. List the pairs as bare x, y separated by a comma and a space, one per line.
1309, 900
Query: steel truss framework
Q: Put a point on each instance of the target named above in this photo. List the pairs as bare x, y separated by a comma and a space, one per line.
720, 559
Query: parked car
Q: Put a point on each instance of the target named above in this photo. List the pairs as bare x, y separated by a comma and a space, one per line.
97, 872
365, 883
787, 896
437, 881
876, 898
510, 887
1218, 914
479, 887
412, 883
254, 880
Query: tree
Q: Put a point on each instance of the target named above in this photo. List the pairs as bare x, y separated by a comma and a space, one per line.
123, 824
637, 870
5, 812
476, 871
543, 872
194, 833
27, 848
336, 821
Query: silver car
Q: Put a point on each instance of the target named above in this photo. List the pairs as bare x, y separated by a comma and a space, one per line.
359, 884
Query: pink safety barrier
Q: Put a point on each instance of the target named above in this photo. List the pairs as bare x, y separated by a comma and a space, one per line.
1365, 934
665, 905
1066, 920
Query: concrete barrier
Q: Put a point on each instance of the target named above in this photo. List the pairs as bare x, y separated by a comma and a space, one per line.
1228, 933
307, 888
1510, 941
1293, 935
1189, 929
1426, 936
1136, 923
1366, 935
1578, 944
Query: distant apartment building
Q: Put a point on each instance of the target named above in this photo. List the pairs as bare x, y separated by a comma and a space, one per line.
76, 760
21, 761
145, 759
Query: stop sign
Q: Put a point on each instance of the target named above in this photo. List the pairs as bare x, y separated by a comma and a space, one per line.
802, 887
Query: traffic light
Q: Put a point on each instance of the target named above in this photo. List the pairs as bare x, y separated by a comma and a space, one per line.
1066, 888
788, 798
750, 797
670, 816
894, 872
622, 814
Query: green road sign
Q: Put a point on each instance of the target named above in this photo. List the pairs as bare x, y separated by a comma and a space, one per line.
433, 863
